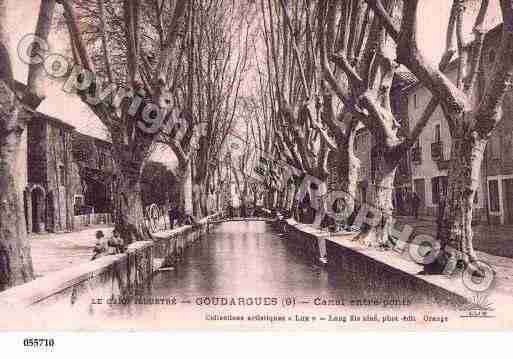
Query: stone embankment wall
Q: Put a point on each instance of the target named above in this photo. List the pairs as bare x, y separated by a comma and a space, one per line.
77, 290
387, 272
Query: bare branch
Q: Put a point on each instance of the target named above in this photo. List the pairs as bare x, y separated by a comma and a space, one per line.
105, 40
477, 49
295, 48
386, 19
172, 34
489, 111
35, 81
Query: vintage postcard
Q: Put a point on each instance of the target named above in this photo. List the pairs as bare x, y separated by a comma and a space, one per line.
290, 165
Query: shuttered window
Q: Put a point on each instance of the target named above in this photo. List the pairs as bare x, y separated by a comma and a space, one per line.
493, 190
435, 197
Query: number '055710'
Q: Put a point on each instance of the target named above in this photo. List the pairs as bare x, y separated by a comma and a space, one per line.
38, 342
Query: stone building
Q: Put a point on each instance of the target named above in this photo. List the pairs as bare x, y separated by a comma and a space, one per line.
430, 157
93, 170
497, 169
65, 176
424, 169
49, 195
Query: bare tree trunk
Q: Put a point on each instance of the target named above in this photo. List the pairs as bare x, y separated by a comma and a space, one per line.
199, 199
455, 218
384, 175
184, 184
350, 166
289, 196
129, 212
267, 201
182, 188
204, 200
294, 206
15, 259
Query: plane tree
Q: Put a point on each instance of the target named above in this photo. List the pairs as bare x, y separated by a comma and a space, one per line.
214, 65
359, 65
17, 104
470, 122
292, 70
127, 54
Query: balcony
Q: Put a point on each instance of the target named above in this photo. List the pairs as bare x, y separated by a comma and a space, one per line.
437, 151
416, 155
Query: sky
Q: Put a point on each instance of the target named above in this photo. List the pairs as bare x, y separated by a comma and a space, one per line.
23, 18
58, 103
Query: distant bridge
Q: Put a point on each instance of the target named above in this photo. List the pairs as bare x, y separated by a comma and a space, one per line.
241, 219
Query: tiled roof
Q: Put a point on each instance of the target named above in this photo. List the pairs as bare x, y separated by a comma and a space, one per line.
406, 80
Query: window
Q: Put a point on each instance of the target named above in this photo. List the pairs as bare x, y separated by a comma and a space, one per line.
494, 147
62, 175
435, 197
363, 193
507, 145
438, 188
78, 203
437, 133
416, 152
101, 160
414, 100
491, 56
493, 190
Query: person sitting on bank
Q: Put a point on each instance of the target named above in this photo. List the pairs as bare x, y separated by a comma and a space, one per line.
189, 220
115, 243
99, 249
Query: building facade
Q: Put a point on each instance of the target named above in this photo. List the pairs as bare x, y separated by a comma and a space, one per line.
497, 169
425, 168
430, 156
66, 177
49, 195
93, 167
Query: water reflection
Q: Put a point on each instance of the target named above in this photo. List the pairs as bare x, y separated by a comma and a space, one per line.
247, 258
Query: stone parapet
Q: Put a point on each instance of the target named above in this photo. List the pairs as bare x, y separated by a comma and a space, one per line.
76, 290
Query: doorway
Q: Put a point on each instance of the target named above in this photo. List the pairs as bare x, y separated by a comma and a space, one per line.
507, 186
419, 186
38, 199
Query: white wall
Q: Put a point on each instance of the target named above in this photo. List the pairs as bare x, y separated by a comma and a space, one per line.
428, 168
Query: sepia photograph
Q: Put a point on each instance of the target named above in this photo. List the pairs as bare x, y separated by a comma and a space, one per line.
255, 165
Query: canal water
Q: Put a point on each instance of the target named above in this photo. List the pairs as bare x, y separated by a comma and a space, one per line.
249, 259
243, 269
